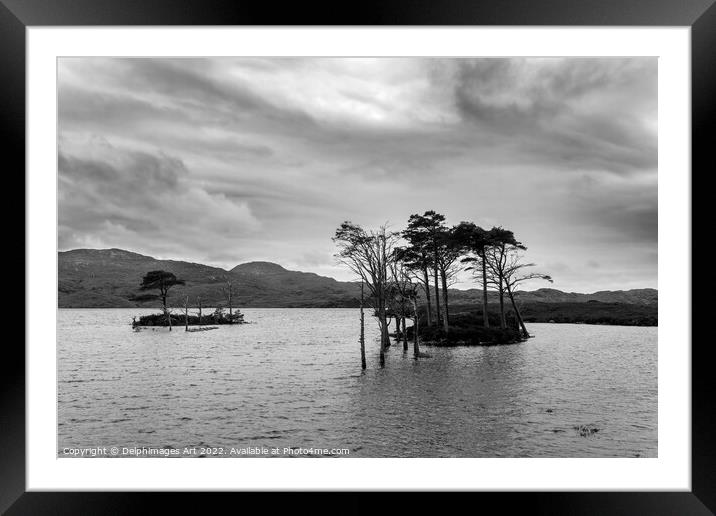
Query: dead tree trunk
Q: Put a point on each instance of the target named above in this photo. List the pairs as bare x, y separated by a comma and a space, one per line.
186, 313
166, 310
228, 290
416, 336
383, 333
362, 328
383, 329
405, 336
388, 320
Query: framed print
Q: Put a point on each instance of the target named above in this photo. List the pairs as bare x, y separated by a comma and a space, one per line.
415, 250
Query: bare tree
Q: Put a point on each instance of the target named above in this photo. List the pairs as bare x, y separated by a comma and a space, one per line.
495, 258
186, 313
366, 253
514, 274
417, 263
402, 291
229, 291
502, 243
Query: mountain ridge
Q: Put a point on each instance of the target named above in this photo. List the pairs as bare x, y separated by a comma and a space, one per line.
110, 278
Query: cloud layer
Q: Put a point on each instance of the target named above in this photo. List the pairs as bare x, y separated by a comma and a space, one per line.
228, 160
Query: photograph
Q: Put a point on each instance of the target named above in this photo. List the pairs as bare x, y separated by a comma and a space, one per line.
357, 257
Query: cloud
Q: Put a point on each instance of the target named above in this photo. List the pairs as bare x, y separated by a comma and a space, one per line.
117, 197
573, 112
234, 159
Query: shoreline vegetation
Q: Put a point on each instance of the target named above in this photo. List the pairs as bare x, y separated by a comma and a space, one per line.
465, 330
218, 317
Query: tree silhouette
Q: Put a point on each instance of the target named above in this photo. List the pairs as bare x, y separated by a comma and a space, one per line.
417, 262
502, 243
402, 292
424, 232
229, 291
514, 275
367, 253
475, 241
393, 266
161, 281
450, 249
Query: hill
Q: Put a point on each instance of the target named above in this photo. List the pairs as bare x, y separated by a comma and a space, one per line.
642, 296
110, 278
591, 312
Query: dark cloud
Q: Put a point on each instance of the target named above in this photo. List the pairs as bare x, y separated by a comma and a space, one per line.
136, 197
231, 159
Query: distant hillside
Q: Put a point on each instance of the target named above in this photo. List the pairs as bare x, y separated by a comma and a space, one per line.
92, 278
642, 296
110, 278
591, 312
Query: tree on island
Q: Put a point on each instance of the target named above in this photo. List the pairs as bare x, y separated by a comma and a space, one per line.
417, 263
424, 232
440, 248
161, 281
394, 265
475, 242
450, 250
502, 244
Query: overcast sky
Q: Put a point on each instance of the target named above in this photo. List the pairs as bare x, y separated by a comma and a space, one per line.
223, 161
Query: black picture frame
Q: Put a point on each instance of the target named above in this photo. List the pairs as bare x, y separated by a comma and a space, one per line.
700, 15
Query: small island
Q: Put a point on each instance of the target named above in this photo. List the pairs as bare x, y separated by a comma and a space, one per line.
467, 330
163, 281
396, 269
218, 317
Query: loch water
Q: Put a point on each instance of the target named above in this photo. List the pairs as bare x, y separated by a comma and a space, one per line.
291, 379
